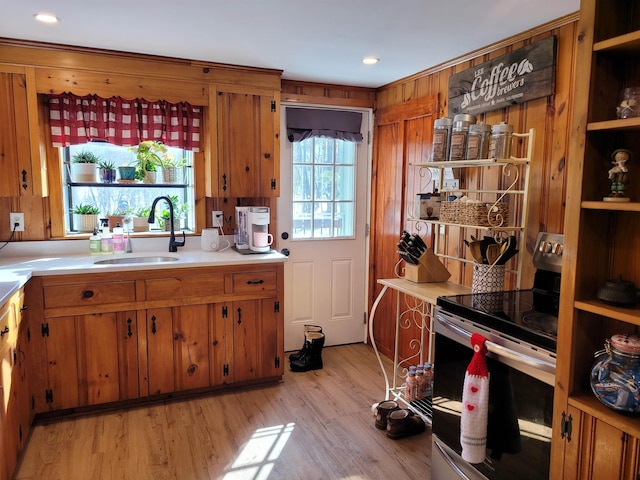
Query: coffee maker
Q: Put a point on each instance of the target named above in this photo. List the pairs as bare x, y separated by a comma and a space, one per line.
241, 236
260, 239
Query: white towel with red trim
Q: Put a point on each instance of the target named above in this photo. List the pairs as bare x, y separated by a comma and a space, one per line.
475, 404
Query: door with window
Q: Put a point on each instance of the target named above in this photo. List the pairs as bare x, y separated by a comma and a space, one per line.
322, 220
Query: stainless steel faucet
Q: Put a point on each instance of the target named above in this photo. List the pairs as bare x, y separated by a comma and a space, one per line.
173, 243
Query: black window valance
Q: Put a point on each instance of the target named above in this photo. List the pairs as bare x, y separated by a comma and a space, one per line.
303, 123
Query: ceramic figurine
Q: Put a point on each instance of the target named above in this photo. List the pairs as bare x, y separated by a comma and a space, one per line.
619, 175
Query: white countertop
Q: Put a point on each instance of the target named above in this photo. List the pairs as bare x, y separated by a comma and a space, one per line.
57, 258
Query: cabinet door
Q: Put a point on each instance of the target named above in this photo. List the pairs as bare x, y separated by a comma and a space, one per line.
98, 358
257, 340
247, 139
160, 376
598, 450
23, 173
21, 410
128, 374
62, 369
8, 442
190, 346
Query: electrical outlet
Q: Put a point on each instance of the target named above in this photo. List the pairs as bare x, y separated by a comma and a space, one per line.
16, 222
217, 218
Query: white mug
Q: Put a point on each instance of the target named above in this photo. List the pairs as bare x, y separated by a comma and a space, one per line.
262, 239
210, 241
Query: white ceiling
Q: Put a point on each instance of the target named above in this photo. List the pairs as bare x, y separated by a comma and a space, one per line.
319, 41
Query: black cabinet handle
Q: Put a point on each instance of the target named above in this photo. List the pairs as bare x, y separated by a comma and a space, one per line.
224, 182
255, 282
153, 324
6, 330
24, 179
87, 294
129, 332
239, 316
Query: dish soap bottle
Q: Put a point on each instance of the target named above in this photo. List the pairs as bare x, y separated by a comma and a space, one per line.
95, 243
107, 241
118, 239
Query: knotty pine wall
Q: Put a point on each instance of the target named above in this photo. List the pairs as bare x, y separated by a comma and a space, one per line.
405, 111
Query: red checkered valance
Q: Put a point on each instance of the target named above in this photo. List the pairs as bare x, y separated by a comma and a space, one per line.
76, 120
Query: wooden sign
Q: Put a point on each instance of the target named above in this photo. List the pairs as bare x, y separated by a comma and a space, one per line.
517, 77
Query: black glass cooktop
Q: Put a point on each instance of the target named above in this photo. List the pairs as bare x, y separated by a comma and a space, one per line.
514, 312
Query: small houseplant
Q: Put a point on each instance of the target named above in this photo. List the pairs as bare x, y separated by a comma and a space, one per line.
107, 171
85, 217
149, 155
179, 213
83, 167
173, 171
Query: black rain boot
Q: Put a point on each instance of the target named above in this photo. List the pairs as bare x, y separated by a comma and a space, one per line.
312, 359
305, 345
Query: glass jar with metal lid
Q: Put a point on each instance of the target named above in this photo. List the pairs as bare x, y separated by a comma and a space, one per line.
478, 141
615, 376
459, 134
500, 146
441, 139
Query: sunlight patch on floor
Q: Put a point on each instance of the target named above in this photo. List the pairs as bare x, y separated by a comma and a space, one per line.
256, 459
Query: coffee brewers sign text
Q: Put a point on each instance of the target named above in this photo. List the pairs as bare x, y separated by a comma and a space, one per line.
517, 77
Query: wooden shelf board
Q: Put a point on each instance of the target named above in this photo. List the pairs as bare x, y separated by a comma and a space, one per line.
588, 403
614, 206
476, 227
629, 315
623, 43
617, 124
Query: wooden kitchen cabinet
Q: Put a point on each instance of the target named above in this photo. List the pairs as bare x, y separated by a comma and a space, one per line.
601, 242
248, 143
23, 174
145, 333
15, 412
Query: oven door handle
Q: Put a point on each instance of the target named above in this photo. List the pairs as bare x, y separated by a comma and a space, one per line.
450, 460
500, 350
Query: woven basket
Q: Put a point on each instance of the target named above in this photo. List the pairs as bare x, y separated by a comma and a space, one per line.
474, 213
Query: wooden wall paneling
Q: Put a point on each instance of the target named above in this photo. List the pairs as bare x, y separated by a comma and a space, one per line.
326, 94
56, 80
9, 181
19, 52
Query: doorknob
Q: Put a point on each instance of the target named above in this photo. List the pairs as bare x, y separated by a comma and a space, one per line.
285, 252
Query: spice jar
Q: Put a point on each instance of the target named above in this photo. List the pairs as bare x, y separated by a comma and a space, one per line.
478, 141
629, 103
616, 373
459, 134
500, 146
441, 139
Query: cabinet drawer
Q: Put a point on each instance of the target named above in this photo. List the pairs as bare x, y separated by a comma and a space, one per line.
254, 282
77, 295
183, 287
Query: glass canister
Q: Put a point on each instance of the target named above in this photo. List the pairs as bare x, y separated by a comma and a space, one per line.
478, 141
616, 373
500, 146
629, 106
441, 139
459, 134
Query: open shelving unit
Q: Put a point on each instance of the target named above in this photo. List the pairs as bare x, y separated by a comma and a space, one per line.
601, 242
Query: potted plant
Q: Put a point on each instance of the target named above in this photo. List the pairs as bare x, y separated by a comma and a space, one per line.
85, 217
179, 212
107, 171
173, 170
149, 155
140, 217
83, 167
127, 173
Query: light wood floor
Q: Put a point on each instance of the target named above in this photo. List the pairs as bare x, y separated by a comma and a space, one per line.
314, 425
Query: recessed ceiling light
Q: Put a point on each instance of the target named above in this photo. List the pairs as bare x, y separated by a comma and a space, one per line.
46, 18
370, 60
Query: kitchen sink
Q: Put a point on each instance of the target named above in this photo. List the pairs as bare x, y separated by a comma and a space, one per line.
125, 260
